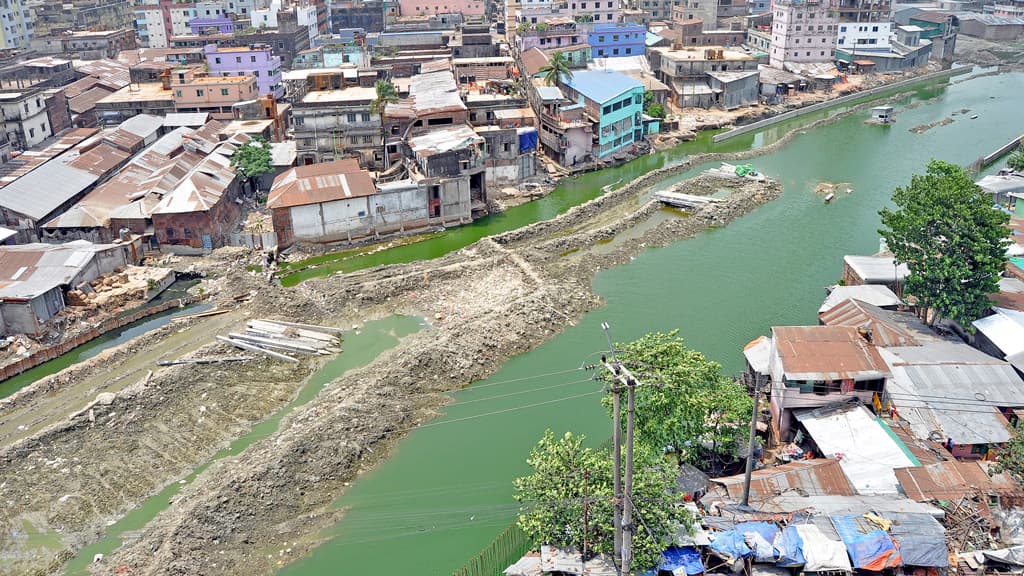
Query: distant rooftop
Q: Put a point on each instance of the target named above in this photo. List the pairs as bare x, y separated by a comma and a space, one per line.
602, 86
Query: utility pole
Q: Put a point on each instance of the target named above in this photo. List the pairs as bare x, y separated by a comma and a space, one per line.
623, 515
586, 518
750, 443
616, 443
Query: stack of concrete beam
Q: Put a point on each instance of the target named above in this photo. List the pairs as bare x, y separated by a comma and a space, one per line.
284, 340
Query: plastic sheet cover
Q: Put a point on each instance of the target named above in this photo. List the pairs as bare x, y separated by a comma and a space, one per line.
683, 561
527, 139
821, 553
869, 549
921, 539
760, 537
789, 548
731, 545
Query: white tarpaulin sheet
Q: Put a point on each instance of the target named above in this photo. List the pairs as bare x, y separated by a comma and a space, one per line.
820, 553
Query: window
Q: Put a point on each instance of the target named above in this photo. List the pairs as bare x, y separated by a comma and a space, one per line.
200, 92
217, 60
615, 51
252, 58
808, 53
177, 93
874, 28
367, 139
600, 52
822, 53
224, 92
31, 132
506, 147
629, 50
608, 17
797, 41
238, 59
366, 117
600, 38
615, 38
606, 110
842, 28
299, 120
351, 117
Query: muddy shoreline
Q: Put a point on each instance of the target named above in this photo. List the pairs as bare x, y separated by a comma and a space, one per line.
277, 494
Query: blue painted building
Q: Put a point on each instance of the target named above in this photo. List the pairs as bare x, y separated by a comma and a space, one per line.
617, 40
616, 101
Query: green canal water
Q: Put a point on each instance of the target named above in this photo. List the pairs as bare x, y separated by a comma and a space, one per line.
360, 348
447, 490
108, 340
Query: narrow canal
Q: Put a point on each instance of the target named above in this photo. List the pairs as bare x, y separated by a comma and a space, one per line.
360, 348
447, 490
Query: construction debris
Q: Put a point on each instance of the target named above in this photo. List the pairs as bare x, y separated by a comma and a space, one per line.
202, 360
279, 339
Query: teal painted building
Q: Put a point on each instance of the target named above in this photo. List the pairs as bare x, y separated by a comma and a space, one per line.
615, 102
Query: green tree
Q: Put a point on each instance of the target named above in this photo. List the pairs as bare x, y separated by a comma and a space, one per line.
1010, 458
252, 160
557, 69
386, 93
953, 240
568, 476
1016, 161
686, 402
656, 110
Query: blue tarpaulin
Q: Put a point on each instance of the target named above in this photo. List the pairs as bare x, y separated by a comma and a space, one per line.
687, 558
731, 544
760, 536
790, 548
527, 139
869, 547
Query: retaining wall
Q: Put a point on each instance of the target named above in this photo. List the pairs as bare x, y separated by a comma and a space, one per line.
840, 101
49, 353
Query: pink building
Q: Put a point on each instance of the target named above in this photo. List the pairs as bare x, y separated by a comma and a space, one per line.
212, 94
427, 7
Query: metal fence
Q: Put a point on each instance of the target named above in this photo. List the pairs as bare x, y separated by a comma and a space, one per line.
266, 240
508, 547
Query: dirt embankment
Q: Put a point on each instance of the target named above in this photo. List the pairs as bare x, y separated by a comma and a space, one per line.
487, 302
492, 300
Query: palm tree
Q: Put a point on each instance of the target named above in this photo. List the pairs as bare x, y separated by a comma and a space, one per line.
386, 93
557, 69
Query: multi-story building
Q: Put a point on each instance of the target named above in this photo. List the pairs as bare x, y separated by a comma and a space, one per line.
257, 60
287, 41
91, 45
25, 115
212, 94
426, 7
368, 15
593, 11
334, 124
616, 40
17, 23
566, 134
803, 31
864, 25
684, 11
616, 101
706, 77
557, 32
941, 29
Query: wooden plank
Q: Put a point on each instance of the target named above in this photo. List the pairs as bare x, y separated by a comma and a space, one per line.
273, 342
254, 348
314, 327
273, 327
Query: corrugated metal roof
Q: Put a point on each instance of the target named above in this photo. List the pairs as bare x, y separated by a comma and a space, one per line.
880, 296
884, 327
79, 86
440, 140
43, 190
866, 451
812, 477
29, 270
186, 119
324, 182
201, 189
87, 100
549, 93
952, 480
825, 353
877, 269
937, 394
1005, 329
758, 354
601, 86
433, 91
533, 60
144, 125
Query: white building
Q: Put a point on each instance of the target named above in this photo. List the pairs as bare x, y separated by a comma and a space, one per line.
865, 25
25, 117
17, 22
803, 31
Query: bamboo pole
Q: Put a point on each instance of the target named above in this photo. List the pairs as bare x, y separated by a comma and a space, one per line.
254, 348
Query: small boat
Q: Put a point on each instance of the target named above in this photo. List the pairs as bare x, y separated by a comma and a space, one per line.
831, 196
974, 116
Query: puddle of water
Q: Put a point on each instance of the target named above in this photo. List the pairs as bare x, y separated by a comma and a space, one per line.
360, 348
